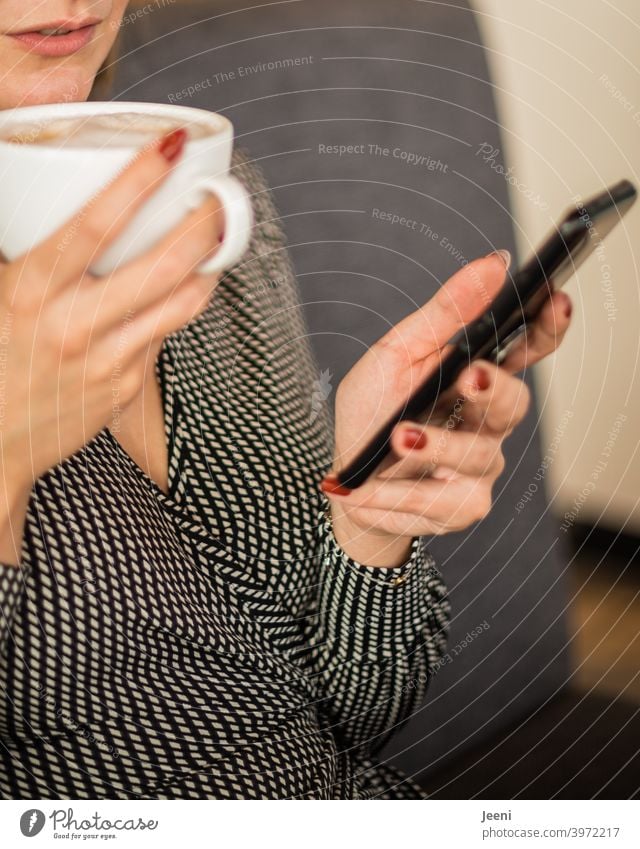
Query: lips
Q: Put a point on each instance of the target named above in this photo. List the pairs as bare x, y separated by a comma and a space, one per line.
69, 40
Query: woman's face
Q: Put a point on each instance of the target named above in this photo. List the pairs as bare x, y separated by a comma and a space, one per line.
40, 68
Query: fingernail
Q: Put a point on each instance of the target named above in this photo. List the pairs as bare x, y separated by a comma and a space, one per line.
414, 438
568, 307
504, 255
480, 378
172, 145
330, 484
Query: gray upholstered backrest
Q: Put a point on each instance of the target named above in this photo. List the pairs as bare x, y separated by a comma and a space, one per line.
405, 84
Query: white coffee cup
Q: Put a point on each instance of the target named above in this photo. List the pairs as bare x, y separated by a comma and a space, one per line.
44, 186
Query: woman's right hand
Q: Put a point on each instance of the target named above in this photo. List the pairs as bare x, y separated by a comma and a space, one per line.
70, 342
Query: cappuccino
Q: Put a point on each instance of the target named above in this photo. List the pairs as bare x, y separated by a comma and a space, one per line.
120, 129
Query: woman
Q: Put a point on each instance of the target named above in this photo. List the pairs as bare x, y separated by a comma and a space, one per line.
185, 613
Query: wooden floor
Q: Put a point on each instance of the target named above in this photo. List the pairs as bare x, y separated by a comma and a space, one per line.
585, 743
604, 614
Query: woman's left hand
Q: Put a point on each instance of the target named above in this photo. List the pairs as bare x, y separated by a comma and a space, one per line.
435, 480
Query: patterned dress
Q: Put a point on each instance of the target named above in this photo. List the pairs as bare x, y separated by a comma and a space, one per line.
215, 641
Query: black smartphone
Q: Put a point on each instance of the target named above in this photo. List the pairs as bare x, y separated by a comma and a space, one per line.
579, 234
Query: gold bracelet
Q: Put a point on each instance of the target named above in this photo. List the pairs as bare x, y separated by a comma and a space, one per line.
395, 582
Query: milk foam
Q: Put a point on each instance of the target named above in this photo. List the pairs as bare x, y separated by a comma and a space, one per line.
119, 129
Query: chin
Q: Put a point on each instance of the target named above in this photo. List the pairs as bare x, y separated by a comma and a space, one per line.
62, 86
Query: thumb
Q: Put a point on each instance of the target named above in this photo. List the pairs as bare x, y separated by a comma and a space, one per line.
465, 296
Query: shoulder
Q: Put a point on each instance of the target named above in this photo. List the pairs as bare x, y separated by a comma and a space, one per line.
267, 228
263, 282
267, 258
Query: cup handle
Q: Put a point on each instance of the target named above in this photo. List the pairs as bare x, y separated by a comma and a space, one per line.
238, 221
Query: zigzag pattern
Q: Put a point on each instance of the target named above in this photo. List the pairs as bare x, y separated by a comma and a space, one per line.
214, 642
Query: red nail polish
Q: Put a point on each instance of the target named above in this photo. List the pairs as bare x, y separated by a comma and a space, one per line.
414, 438
481, 378
568, 309
172, 145
331, 485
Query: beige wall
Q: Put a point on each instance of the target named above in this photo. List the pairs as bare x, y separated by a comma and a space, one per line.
567, 76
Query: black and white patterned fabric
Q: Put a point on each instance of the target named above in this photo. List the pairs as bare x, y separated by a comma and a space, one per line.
215, 641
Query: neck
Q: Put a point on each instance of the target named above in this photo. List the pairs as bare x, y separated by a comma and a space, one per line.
134, 413
150, 382
142, 429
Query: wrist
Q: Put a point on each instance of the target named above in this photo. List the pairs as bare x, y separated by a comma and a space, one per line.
369, 547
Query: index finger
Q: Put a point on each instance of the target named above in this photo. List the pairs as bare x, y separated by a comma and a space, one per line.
543, 336
67, 254
495, 401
